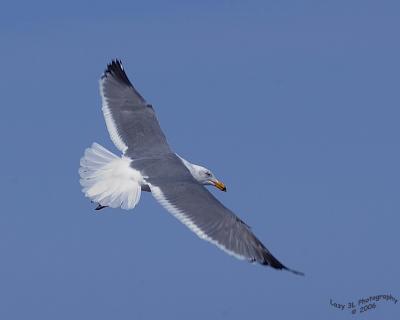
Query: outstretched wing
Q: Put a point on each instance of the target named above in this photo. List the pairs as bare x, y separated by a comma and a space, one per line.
202, 213
131, 121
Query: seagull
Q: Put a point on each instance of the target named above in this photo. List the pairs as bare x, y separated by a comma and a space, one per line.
149, 164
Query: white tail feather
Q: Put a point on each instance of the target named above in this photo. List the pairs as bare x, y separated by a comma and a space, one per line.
108, 179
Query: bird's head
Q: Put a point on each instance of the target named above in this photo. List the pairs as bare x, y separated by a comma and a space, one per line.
206, 177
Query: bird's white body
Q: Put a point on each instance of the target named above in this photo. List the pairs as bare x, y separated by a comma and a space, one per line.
111, 181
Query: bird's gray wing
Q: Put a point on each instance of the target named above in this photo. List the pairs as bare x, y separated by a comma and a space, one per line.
201, 212
130, 120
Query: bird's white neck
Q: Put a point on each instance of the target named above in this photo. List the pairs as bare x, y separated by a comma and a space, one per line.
194, 169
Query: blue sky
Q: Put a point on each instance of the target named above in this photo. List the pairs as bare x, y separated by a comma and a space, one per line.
293, 104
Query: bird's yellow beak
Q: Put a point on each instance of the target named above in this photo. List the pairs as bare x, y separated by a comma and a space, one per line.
220, 185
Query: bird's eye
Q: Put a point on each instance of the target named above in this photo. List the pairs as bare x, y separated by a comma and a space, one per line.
208, 174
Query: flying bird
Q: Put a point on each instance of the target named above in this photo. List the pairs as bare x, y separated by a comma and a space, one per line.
149, 164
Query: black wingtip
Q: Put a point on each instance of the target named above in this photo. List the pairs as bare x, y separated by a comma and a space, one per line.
116, 70
270, 260
279, 266
299, 273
